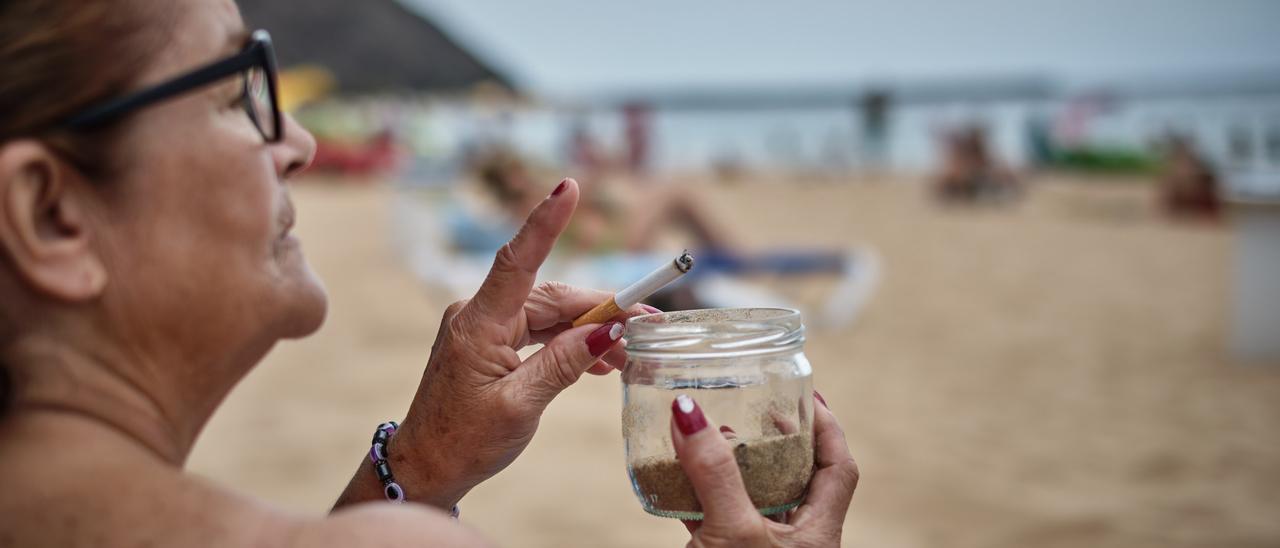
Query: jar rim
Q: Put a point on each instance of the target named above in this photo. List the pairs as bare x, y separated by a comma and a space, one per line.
715, 333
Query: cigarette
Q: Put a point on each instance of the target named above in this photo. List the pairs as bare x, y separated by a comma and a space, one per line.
636, 292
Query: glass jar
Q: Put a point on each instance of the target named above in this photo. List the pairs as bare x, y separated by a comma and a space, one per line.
747, 370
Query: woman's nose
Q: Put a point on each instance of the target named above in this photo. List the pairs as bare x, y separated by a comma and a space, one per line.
295, 153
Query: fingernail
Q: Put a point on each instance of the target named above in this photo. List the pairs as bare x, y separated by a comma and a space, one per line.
600, 340
689, 417
819, 396
650, 309
728, 432
560, 187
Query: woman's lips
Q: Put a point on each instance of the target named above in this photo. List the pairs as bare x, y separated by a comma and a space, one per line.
287, 218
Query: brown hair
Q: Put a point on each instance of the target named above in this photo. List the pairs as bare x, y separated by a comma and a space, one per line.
60, 56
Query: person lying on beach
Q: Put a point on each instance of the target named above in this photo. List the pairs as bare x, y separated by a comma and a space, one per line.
1188, 184
147, 264
614, 222
611, 218
970, 172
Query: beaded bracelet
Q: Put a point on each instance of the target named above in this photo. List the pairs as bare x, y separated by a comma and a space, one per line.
380, 456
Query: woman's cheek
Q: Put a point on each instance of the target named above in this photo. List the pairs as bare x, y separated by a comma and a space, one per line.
251, 200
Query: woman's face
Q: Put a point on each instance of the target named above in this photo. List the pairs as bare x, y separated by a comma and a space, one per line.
200, 250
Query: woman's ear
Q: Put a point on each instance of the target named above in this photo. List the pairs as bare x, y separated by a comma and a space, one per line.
45, 226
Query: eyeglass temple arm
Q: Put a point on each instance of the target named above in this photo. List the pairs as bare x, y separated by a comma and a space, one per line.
202, 76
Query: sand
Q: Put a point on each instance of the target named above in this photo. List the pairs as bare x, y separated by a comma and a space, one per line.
775, 471
1053, 374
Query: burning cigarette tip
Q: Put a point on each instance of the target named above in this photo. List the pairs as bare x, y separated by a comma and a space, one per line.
684, 262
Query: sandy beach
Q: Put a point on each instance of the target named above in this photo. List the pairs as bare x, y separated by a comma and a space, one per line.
1051, 374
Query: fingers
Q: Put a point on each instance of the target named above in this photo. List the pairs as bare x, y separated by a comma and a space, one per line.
782, 422
553, 303
836, 473
616, 358
515, 267
559, 364
600, 368
707, 460
552, 306
612, 360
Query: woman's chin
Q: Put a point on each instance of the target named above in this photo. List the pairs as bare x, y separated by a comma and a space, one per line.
301, 293
310, 311
305, 304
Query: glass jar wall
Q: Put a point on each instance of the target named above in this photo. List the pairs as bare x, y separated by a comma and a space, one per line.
747, 370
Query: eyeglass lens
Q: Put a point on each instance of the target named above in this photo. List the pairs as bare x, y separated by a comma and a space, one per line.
258, 102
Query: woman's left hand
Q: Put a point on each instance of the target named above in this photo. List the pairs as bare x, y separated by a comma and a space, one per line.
478, 404
730, 520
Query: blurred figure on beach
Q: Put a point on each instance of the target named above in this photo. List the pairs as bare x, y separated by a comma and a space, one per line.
611, 217
621, 226
970, 173
638, 117
584, 152
873, 108
1188, 184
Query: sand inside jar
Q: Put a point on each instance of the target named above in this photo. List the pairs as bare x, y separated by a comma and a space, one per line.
775, 469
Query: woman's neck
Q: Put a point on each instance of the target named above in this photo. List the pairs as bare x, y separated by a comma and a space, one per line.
140, 397
54, 378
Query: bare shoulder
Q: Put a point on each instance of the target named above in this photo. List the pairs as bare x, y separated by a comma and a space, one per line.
180, 510
376, 524
113, 497
380, 525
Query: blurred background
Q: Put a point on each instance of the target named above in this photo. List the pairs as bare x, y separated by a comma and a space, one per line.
1037, 246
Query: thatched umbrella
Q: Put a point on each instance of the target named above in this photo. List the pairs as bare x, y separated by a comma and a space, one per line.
370, 46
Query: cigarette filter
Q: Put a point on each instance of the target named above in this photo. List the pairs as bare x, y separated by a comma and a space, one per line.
634, 293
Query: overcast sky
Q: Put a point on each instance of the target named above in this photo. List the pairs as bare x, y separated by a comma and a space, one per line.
589, 46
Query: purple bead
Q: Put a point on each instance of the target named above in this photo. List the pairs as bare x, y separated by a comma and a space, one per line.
394, 492
376, 453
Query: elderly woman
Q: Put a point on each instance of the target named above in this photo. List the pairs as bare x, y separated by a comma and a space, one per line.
148, 264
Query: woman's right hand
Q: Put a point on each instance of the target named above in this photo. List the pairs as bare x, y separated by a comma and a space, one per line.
730, 518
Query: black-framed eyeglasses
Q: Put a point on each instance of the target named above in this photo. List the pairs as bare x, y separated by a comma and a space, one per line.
255, 64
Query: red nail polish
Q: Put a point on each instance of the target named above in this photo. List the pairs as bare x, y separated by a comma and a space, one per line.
650, 309
689, 417
819, 396
560, 187
600, 340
